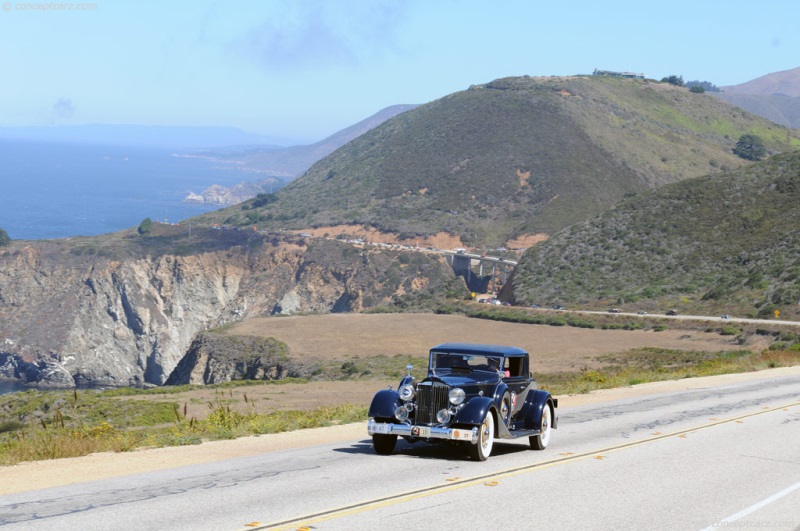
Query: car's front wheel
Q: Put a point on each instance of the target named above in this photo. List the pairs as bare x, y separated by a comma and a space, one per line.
483, 448
540, 442
383, 444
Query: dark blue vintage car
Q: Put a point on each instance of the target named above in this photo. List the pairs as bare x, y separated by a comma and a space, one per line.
472, 395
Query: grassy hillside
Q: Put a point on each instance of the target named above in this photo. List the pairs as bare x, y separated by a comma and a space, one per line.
722, 244
515, 156
779, 108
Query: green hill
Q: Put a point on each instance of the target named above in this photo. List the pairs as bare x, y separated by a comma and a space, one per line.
512, 157
722, 244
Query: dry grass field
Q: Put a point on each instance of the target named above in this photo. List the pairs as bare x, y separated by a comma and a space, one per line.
343, 337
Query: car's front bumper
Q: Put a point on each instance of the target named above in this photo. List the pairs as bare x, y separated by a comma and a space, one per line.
422, 432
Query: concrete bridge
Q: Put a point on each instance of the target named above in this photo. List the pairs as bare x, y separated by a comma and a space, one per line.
484, 274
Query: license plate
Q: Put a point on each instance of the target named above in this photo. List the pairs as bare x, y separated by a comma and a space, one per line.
382, 428
421, 431
462, 435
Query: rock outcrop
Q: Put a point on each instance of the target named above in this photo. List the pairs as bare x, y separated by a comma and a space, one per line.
220, 195
123, 310
215, 358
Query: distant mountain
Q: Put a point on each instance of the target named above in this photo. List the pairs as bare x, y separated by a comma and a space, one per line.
280, 165
513, 157
775, 96
290, 162
785, 83
727, 243
157, 136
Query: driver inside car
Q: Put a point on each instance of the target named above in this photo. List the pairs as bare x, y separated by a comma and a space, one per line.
494, 364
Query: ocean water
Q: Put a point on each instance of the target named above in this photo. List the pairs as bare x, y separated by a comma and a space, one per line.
61, 190
10, 387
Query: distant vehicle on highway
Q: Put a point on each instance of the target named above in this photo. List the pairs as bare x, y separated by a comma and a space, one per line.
557, 307
613, 310
672, 312
642, 312
726, 316
535, 306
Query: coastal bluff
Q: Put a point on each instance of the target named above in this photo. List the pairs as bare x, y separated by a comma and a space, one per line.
124, 309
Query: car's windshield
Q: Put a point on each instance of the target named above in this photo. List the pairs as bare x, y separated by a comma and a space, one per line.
455, 361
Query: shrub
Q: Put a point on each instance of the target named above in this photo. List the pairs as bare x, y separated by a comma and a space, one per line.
145, 227
673, 80
750, 147
4, 238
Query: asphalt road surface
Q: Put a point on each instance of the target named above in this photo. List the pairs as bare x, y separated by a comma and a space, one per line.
707, 458
722, 319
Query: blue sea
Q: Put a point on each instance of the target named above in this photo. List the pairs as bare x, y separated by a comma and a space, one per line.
61, 190
10, 387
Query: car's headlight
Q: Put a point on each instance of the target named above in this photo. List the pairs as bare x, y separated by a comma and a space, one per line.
406, 392
442, 416
401, 414
457, 396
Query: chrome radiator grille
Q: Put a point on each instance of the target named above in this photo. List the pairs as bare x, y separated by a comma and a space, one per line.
431, 397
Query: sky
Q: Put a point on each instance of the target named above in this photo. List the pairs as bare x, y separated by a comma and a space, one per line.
305, 69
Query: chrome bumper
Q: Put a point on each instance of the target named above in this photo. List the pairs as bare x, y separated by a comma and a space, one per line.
422, 432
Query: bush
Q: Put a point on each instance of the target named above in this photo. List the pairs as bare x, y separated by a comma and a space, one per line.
145, 227
4, 238
673, 80
263, 200
730, 331
750, 147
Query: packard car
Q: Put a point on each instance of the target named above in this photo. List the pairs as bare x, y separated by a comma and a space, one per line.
472, 395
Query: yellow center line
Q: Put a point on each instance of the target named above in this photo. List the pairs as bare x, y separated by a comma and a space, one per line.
330, 514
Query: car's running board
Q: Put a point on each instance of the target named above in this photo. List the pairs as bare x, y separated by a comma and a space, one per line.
514, 434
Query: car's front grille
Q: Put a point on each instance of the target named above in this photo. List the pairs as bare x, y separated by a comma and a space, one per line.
431, 397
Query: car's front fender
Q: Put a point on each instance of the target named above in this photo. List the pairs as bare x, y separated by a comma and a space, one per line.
384, 404
474, 411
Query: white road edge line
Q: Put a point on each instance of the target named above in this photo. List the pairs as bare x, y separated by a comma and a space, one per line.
725, 522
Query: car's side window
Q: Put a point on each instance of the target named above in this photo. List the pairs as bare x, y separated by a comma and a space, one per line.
514, 367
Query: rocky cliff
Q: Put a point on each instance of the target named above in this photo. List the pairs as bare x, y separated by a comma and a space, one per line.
123, 309
215, 358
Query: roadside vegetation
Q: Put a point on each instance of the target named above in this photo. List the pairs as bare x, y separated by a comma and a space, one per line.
39, 425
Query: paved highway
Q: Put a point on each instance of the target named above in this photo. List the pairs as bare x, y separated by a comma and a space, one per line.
731, 319
714, 457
